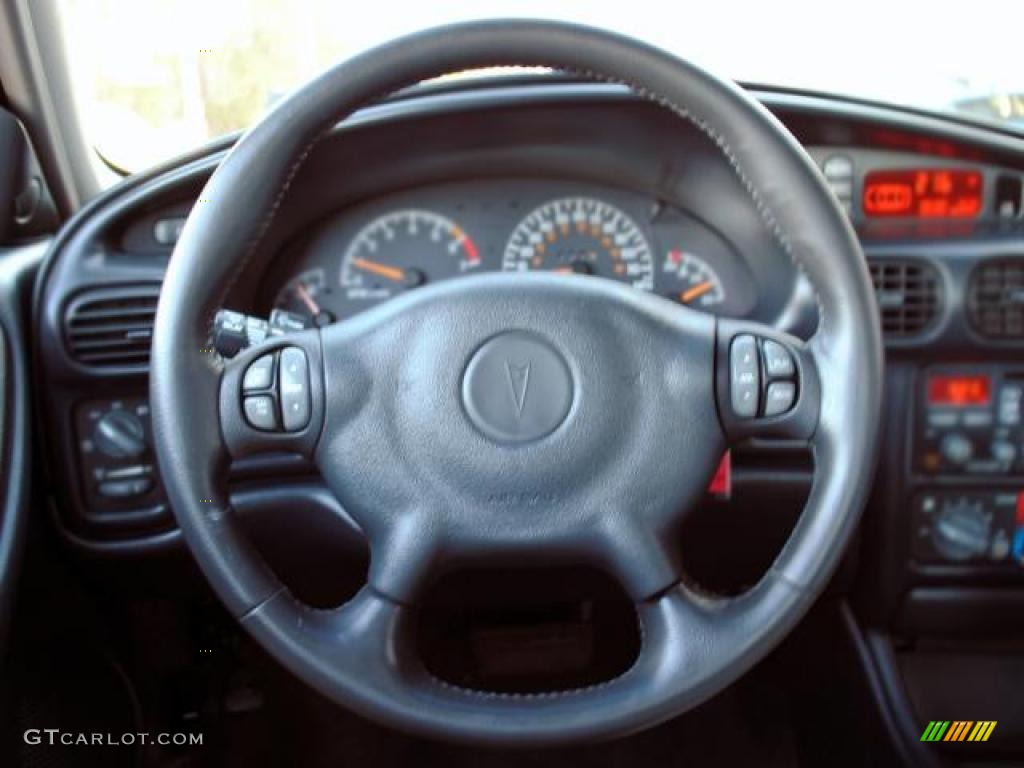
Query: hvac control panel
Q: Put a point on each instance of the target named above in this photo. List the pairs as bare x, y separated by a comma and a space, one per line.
970, 527
114, 447
969, 421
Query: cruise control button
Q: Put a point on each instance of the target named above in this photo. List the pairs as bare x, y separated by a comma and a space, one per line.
294, 389
779, 397
777, 360
259, 374
260, 412
744, 376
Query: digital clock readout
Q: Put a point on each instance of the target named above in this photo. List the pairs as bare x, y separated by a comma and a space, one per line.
926, 194
959, 390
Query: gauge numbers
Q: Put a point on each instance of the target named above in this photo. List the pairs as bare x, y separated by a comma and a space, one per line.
404, 249
581, 235
693, 281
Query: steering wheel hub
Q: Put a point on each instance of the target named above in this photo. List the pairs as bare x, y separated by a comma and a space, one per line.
517, 388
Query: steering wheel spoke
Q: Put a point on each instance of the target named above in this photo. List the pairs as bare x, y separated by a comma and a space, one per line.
640, 558
272, 397
766, 383
404, 554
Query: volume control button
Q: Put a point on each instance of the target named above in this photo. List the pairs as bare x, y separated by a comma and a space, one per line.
956, 449
744, 376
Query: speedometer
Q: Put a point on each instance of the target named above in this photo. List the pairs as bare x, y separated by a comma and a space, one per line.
581, 235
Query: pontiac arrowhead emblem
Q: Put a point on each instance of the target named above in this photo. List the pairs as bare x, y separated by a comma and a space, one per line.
518, 381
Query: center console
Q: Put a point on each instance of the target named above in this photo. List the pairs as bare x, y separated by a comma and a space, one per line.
968, 428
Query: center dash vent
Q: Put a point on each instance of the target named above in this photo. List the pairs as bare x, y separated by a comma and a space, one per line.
995, 298
907, 291
112, 327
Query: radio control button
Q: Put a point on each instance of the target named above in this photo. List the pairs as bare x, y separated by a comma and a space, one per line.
942, 419
779, 397
259, 374
294, 389
1009, 413
744, 376
956, 449
777, 361
260, 412
1004, 451
977, 419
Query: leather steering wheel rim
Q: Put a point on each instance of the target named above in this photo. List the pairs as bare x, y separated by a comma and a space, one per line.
357, 655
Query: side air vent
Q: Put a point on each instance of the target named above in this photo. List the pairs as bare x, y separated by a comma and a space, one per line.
908, 295
995, 298
112, 327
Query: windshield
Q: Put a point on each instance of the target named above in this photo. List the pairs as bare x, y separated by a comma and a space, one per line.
154, 78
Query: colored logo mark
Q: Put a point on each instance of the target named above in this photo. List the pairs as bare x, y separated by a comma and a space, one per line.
958, 730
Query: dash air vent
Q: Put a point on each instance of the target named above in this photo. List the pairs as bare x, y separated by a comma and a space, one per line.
907, 291
995, 298
112, 327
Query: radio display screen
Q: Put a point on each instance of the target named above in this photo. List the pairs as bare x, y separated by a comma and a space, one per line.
923, 193
959, 390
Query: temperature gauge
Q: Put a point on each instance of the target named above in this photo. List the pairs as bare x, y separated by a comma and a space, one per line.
690, 280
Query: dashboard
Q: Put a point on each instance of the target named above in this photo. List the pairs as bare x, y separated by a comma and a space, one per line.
398, 242
588, 181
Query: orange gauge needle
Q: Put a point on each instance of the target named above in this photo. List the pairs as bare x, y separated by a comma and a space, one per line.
383, 270
303, 294
696, 291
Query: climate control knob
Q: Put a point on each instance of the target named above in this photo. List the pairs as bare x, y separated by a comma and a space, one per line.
962, 530
119, 435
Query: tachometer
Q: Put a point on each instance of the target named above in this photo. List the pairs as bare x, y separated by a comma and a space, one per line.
691, 280
404, 249
581, 235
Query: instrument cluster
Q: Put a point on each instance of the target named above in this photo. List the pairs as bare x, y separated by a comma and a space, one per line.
374, 251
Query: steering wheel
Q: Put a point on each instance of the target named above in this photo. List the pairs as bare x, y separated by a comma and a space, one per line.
518, 417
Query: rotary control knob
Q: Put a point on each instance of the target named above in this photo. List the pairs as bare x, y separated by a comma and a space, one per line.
956, 448
962, 530
119, 435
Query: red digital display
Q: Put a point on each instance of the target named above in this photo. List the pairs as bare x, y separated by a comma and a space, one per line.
926, 194
959, 390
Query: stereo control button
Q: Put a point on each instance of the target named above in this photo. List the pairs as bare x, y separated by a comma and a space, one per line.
260, 412
294, 389
1004, 451
777, 361
744, 376
259, 374
956, 448
779, 397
